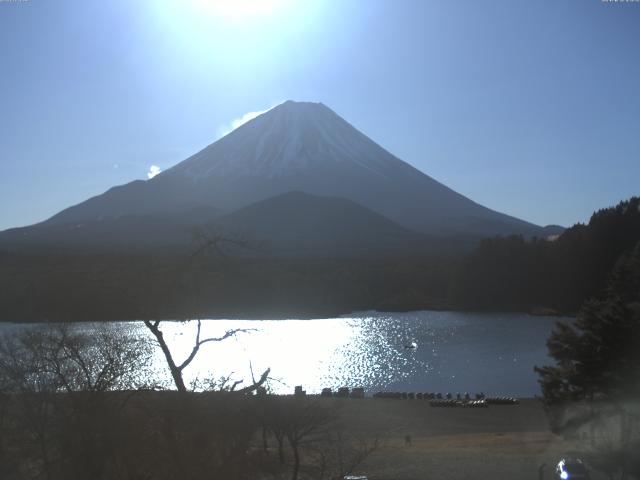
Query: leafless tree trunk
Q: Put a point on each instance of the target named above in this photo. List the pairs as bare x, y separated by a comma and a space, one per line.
177, 369
205, 244
305, 419
280, 439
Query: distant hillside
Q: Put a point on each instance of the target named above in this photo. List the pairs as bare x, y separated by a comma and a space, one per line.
512, 273
504, 273
299, 224
293, 224
127, 233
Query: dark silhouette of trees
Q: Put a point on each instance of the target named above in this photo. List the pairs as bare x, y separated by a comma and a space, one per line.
342, 452
205, 244
511, 273
74, 405
502, 273
598, 357
274, 420
312, 439
41, 287
176, 369
304, 420
63, 403
298, 421
595, 382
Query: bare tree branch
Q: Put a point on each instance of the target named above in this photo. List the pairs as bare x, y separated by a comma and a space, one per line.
175, 369
235, 384
207, 243
214, 242
251, 388
199, 343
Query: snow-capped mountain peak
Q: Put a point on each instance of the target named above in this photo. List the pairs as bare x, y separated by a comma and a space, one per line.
286, 140
304, 147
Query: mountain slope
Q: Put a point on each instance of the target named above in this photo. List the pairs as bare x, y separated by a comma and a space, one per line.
305, 147
296, 224
130, 232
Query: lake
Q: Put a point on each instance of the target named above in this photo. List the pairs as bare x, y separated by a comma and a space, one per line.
455, 352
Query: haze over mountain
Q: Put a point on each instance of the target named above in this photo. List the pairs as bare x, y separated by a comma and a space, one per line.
300, 224
296, 146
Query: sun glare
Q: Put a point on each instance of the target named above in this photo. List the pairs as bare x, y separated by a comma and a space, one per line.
240, 8
232, 34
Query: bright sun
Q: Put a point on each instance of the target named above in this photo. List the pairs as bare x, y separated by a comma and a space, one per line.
232, 34
240, 8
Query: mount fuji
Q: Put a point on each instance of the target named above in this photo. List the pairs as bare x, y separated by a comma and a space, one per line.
298, 147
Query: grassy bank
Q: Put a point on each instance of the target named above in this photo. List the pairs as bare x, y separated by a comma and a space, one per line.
169, 435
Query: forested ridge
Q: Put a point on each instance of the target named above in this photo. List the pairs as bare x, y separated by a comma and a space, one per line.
511, 273
501, 274
64, 287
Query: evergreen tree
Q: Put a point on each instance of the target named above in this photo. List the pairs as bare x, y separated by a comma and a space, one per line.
513, 273
598, 357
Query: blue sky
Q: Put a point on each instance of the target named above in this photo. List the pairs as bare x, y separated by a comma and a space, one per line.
529, 107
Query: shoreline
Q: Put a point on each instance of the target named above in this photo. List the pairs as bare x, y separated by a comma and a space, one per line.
301, 316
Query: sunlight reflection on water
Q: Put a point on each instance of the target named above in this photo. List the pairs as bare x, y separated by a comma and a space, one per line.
456, 352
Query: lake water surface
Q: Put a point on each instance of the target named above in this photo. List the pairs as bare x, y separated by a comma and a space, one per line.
456, 352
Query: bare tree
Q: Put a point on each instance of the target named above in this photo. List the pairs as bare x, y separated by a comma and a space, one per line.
305, 420
323, 444
275, 420
341, 452
205, 244
64, 387
216, 243
176, 369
